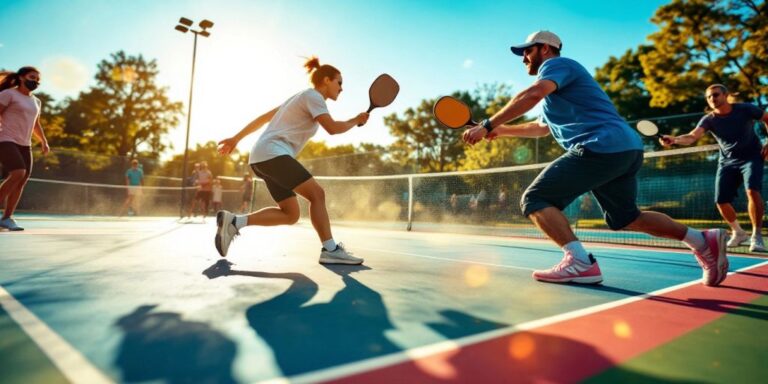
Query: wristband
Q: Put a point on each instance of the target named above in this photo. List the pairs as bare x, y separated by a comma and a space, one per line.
486, 123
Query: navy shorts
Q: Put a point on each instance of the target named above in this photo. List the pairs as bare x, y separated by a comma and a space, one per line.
730, 176
281, 174
14, 156
611, 177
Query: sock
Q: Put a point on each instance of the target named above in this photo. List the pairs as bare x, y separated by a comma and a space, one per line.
577, 250
757, 233
241, 221
329, 245
695, 240
736, 227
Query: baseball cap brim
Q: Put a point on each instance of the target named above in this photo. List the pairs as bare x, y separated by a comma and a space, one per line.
519, 49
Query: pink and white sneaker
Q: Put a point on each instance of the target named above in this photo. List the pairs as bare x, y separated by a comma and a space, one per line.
713, 260
570, 270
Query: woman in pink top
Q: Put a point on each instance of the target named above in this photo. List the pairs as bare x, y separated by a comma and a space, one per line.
19, 121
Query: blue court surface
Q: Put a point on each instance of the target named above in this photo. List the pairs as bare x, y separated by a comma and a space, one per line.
150, 299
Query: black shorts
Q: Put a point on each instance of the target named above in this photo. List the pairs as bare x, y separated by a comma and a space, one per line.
14, 156
730, 176
281, 174
611, 177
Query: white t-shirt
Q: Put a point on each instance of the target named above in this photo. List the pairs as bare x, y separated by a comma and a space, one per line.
218, 191
18, 119
291, 127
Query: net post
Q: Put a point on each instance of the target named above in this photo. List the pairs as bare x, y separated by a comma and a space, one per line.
410, 203
254, 184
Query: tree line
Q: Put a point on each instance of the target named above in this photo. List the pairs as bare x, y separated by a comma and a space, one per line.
125, 114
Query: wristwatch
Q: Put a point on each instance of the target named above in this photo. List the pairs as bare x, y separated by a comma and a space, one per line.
486, 123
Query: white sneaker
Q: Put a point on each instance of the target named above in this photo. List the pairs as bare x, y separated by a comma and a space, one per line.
10, 224
225, 221
736, 239
756, 245
339, 256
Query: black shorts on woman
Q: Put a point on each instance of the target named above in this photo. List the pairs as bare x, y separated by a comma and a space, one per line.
281, 174
14, 156
611, 177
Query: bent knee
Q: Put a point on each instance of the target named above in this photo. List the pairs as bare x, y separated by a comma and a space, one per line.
317, 195
293, 216
18, 174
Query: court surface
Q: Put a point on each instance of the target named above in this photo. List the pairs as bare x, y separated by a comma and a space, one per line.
100, 300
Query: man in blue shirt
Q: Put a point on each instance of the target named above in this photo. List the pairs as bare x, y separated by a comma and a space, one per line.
603, 156
134, 179
741, 160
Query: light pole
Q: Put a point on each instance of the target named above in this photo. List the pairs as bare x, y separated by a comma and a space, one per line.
184, 26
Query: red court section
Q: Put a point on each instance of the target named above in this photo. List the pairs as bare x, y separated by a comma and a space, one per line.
578, 348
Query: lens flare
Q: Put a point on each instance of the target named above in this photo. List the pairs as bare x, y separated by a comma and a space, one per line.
521, 346
476, 276
622, 330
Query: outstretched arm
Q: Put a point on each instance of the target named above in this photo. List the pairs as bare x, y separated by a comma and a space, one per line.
529, 129
687, 139
334, 127
519, 105
226, 146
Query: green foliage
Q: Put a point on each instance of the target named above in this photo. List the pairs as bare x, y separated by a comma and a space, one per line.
125, 113
701, 42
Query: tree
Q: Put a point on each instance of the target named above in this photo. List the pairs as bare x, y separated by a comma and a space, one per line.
422, 144
701, 42
623, 80
126, 112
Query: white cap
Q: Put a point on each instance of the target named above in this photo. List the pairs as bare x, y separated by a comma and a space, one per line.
540, 37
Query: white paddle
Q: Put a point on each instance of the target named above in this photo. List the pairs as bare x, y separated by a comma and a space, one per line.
648, 128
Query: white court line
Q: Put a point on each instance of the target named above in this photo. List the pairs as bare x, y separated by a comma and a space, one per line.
447, 259
75, 367
454, 345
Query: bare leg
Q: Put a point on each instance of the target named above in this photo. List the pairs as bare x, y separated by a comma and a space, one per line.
756, 210
14, 196
313, 192
287, 212
727, 212
126, 204
9, 185
554, 224
659, 225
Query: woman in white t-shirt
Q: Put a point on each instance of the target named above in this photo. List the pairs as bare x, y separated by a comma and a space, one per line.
19, 121
273, 159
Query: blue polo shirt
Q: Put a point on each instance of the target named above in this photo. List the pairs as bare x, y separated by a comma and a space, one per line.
580, 113
134, 176
735, 132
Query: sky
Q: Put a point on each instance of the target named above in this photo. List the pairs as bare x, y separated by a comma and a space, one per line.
252, 61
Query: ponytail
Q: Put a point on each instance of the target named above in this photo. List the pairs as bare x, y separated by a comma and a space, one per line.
13, 79
319, 72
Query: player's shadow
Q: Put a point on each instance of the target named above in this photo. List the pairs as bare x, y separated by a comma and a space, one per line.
755, 311
304, 337
521, 357
161, 346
